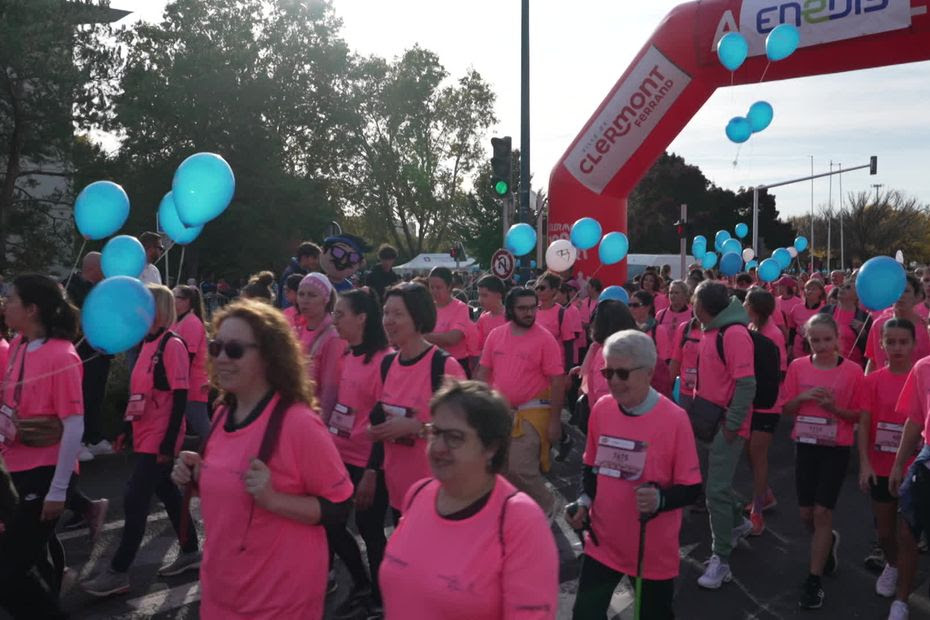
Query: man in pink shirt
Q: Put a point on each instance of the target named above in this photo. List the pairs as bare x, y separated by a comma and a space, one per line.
522, 361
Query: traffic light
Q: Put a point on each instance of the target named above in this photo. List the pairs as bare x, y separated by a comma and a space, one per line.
873, 165
681, 229
501, 165
454, 252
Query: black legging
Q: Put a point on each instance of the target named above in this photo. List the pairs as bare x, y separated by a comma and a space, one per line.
370, 525
596, 586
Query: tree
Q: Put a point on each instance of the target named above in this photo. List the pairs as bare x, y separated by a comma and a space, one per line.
50, 58
415, 139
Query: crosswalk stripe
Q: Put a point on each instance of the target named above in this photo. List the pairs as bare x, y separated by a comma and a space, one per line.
167, 599
107, 527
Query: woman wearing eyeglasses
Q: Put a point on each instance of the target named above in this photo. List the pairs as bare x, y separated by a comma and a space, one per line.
853, 322
642, 308
266, 555
189, 307
640, 462
322, 345
469, 546
453, 321
158, 390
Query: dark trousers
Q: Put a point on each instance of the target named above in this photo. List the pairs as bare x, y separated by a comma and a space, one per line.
93, 387
370, 525
76, 501
596, 586
149, 478
28, 588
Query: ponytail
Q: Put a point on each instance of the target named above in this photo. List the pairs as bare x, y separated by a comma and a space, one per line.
58, 316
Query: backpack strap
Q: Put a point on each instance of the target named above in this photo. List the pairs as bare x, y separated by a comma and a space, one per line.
500, 529
686, 336
661, 315
417, 492
159, 374
273, 431
386, 362
561, 316
720, 341
438, 368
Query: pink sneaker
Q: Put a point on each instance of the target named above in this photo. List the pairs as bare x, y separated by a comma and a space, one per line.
758, 524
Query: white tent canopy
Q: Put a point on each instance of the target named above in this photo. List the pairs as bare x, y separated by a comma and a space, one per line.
637, 263
425, 262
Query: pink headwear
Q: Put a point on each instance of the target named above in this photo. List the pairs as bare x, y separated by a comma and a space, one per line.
319, 282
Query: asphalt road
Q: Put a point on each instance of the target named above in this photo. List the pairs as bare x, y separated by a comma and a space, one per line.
768, 570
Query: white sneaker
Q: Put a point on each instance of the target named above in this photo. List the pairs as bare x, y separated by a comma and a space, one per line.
715, 575
741, 531
887, 583
899, 611
101, 447
85, 455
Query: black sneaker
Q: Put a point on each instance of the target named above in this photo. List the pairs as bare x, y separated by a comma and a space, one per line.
359, 599
565, 445
875, 561
811, 594
832, 562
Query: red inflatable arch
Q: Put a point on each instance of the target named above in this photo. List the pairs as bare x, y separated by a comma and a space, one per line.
677, 71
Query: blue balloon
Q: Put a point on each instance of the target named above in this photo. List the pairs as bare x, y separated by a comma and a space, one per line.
731, 263
520, 239
100, 210
760, 116
800, 243
122, 256
203, 187
613, 248
880, 282
731, 245
719, 238
751, 265
769, 270
586, 232
698, 249
700, 238
732, 50
117, 314
709, 260
617, 293
676, 390
172, 224
738, 130
741, 230
782, 42
782, 257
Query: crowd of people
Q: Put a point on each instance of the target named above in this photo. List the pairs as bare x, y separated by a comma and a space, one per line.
315, 401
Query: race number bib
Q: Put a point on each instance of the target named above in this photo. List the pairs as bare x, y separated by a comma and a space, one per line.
815, 430
690, 378
7, 425
342, 421
888, 437
624, 459
135, 407
396, 411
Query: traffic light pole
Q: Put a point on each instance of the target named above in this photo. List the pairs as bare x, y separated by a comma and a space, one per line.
524, 215
683, 242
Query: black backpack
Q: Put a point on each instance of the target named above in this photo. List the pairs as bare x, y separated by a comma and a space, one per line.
766, 359
158, 374
437, 367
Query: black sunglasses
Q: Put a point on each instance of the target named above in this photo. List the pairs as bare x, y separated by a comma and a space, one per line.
622, 373
234, 349
635, 304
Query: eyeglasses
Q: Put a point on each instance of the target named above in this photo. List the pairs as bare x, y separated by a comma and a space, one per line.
453, 438
234, 349
635, 304
622, 373
542, 287
339, 252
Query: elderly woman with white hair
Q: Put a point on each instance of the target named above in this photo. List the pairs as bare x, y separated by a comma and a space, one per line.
640, 467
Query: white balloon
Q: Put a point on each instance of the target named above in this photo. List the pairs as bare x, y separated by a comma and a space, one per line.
748, 255
899, 256
561, 255
793, 251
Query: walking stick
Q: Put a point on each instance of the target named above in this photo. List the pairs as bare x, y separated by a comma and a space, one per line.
638, 601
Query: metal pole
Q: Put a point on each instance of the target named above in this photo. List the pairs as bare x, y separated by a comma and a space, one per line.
525, 121
684, 242
842, 235
812, 215
829, 216
506, 206
755, 220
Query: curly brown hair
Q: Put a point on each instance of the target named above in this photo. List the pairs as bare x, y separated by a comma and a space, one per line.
285, 364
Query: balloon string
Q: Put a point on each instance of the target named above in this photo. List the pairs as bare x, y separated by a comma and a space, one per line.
736, 158
49, 374
73, 267
572, 300
766, 70
180, 266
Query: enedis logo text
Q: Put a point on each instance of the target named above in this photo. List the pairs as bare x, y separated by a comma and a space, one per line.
813, 12
638, 109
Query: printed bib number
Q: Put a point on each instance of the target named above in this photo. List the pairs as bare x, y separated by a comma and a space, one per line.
816, 430
135, 407
7, 425
888, 437
396, 411
690, 378
620, 458
342, 421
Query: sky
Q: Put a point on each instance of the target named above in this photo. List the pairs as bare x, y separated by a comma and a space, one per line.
579, 50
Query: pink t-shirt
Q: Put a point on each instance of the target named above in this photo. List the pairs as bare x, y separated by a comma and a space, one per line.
813, 424
849, 337
501, 563
586, 307
407, 391
148, 430
660, 301
573, 319
875, 352
549, 318
796, 320
324, 350
720, 378
661, 338
454, 316
4, 353
258, 564
880, 392
358, 394
914, 402
922, 310
521, 366
191, 329
294, 317
51, 385
628, 451
785, 306
770, 331
670, 319
487, 322
686, 354
593, 382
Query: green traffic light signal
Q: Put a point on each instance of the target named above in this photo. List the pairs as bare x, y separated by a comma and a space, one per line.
501, 188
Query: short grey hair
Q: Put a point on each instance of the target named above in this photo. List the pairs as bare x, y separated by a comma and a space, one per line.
633, 344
